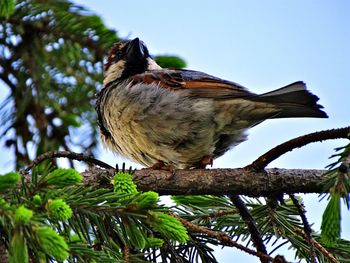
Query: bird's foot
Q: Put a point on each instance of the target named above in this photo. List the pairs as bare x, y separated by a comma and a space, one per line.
160, 165
206, 160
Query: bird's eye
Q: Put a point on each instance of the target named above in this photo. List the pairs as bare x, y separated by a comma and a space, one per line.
118, 55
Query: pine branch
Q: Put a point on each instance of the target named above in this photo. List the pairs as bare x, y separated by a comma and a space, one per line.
126, 254
218, 214
251, 181
307, 228
69, 155
319, 247
224, 239
213, 181
248, 219
222, 181
298, 142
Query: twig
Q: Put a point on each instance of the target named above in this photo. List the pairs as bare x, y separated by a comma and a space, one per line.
224, 239
66, 154
260, 163
307, 228
3, 251
249, 220
220, 213
318, 246
213, 215
126, 254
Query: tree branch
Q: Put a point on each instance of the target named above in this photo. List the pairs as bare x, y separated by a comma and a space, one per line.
69, 155
214, 181
318, 246
252, 180
260, 163
221, 181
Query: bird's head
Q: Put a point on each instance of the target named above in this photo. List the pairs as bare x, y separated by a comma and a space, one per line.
128, 58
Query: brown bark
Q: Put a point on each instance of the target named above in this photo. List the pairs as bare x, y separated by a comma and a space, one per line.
3, 252
222, 181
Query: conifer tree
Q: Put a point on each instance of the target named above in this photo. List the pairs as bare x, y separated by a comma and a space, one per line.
51, 65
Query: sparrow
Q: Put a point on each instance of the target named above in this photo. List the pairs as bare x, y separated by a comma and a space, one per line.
183, 119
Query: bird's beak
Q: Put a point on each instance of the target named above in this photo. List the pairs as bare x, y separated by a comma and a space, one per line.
135, 49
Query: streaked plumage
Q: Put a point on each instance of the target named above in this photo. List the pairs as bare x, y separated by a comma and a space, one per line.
183, 118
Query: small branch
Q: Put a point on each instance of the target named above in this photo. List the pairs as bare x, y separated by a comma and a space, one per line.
222, 237
126, 254
70, 155
260, 163
219, 213
212, 215
249, 220
319, 247
3, 251
307, 228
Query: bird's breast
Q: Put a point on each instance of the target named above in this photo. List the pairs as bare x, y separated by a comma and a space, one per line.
148, 123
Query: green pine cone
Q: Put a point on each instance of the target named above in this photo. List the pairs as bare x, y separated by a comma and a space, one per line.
168, 226
147, 200
23, 215
123, 184
58, 209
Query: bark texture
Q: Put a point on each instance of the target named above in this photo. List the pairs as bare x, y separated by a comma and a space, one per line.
238, 181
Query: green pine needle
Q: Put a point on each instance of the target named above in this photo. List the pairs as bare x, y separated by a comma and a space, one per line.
9, 180
63, 177
168, 226
23, 215
146, 200
4, 205
330, 226
58, 209
18, 250
135, 235
123, 184
7, 7
153, 242
52, 243
37, 199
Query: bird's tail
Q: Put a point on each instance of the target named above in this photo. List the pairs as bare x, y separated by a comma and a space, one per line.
294, 100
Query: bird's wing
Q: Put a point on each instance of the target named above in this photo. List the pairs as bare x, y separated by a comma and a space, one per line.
195, 83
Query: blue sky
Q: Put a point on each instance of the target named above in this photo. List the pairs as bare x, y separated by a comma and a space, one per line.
262, 45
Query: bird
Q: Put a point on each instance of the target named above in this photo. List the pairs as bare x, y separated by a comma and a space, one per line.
179, 118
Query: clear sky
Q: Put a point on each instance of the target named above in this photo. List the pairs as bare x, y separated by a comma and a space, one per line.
262, 45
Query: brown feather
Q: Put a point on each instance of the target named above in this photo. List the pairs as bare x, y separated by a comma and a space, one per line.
200, 85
